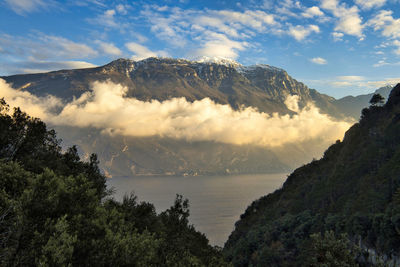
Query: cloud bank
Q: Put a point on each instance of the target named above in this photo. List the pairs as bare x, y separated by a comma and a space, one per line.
106, 108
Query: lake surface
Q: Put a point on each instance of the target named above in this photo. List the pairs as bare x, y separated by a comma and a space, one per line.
216, 202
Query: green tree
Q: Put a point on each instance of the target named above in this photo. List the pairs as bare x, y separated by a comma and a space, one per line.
331, 251
376, 100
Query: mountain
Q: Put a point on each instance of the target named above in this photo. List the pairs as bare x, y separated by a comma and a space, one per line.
261, 86
224, 81
341, 210
351, 105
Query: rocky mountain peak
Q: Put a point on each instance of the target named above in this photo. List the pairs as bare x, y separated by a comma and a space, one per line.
218, 60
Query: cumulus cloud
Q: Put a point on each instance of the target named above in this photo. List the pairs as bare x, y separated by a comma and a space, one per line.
313, 11
318, 60
40, 107
349, 19
337, 36
219, 45
367, 4
299, 32
106, 108
385, 22
142, 52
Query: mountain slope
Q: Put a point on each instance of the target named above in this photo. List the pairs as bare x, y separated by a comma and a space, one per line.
352, 105
353, 189
260, 86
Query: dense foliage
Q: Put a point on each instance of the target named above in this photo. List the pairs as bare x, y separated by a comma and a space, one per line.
341, 210
55, 210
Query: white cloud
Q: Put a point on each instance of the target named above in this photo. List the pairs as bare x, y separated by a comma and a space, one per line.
68, 48
397, 43
40, 107
341, 83
381, 83
142, 52
318, 60
109, 48
337, 36
299, 32
122, 9
43, 66
192, 28
367, 4
381, 63
313, 11
220, 33
349, 20
256, 19
385, 22
218, 45
218, 24
106, 108
389, 27
347, 81
288, 8
22, 7
106, 19
351, 78
41, 53
39, 47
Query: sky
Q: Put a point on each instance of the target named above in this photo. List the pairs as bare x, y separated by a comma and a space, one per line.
337, 47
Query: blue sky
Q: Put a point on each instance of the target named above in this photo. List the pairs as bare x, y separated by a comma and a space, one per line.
337, 47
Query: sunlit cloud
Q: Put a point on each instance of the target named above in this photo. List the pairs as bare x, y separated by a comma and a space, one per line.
351, 78
109, 48
368, 4
319, 60
384, 21
348, 21
105, 107
313, 11
142, 52
337, 36
299, 32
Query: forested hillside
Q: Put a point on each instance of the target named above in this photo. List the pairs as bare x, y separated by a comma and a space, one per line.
342, 210
55, 210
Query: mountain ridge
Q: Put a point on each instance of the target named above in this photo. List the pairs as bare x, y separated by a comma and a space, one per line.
353, 189
261, 86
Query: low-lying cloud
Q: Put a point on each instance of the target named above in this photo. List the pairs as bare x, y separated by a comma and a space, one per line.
105, 107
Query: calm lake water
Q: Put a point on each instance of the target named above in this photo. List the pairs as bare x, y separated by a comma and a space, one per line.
216, 202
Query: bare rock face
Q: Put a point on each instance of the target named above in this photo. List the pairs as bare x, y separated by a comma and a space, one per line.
261, 86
